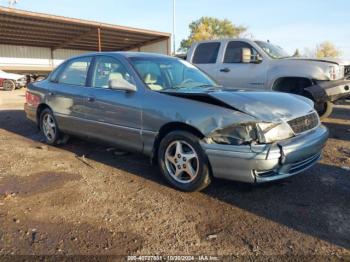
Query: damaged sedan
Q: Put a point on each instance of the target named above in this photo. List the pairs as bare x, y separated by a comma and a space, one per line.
170, 110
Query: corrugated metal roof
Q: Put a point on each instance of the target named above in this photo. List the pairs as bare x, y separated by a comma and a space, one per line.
19, 27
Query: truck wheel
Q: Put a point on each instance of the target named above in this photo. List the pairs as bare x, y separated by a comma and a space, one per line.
9, 85
324, 109
183, 162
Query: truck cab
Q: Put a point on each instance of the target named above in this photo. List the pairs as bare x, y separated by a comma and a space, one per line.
258, 65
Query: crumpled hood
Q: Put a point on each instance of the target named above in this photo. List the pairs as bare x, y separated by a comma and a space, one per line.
266, 106
322, 60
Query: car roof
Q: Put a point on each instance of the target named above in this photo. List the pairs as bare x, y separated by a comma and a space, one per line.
125, 54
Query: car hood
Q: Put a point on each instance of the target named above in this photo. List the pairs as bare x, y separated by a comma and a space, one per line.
322, 60
265, 106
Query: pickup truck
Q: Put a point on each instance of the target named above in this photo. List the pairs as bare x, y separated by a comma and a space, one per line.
250, 64
9, 81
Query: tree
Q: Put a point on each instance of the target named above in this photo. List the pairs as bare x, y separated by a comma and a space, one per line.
210, 28
297, 53
327, 49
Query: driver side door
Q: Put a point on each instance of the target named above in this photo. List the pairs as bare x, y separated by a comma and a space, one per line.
234, 73
114, 114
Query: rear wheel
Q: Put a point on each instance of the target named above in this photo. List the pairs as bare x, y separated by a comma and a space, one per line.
49, 127
9, 85
183, 162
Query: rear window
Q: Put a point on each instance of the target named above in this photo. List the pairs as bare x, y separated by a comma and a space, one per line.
206, 53
75, 72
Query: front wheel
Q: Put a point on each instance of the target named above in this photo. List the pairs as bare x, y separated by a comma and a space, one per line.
324, 109
183, 162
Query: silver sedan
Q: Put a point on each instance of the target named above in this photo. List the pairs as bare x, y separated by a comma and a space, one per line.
171, 111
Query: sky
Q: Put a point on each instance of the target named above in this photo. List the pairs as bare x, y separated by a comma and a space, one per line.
290, 24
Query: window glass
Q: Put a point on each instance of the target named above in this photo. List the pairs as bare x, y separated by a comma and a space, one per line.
107, 69
273, 51
206, 53
233, 52
75, 72
165, 73
54, 74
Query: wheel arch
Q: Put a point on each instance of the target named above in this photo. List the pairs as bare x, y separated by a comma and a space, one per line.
41, 108
168, 128
292, 84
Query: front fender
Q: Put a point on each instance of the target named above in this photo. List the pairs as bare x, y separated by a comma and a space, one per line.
297, 70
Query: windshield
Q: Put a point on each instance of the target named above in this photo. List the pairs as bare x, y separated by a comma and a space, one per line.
272, 50
162, 73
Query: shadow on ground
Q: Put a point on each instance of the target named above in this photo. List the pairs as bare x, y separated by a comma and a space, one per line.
315, 203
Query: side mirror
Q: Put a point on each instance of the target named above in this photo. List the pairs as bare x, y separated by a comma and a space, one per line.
122, 84
246, 55
256, 59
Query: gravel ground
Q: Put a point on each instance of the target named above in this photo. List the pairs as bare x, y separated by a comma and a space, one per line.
87, 199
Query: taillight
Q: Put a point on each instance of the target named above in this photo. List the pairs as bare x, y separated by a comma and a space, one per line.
32, 99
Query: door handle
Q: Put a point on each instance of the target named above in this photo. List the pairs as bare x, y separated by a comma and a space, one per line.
91, 99
225, 70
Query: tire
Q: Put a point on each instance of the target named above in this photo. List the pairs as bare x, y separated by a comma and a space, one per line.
324, 109
183, 162
49, 127
9, 85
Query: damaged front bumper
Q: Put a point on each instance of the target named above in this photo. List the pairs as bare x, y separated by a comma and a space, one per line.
264, 163
330, 90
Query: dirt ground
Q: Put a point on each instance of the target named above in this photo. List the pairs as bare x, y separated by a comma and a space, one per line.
87, 199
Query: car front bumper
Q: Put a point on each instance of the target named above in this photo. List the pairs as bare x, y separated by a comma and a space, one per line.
264, 163
330, 90
21, 83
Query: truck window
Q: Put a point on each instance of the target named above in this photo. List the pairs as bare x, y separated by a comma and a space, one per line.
206, 53
233, 53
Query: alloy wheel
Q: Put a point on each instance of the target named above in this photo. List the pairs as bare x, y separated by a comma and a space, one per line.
49, 127
181, 161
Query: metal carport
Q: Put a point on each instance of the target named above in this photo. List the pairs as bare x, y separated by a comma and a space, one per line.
27, 35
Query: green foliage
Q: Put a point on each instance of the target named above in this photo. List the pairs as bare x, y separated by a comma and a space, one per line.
210, 28
327, 49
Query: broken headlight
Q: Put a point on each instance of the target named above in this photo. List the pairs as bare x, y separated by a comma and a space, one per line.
272, 132
234, 135
263, 133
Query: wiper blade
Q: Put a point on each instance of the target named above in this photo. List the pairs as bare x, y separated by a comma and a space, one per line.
205, 85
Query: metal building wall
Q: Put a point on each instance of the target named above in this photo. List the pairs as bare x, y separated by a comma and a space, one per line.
15, 58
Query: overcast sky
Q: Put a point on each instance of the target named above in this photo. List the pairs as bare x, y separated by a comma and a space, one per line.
290, 24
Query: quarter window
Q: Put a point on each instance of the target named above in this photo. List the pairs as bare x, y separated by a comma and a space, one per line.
75, 72
206, 53
107, 69
233, 52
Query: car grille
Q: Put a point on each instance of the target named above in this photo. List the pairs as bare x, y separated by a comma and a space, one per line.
304, 123
347, 71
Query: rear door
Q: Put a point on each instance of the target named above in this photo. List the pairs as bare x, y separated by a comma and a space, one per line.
205, 56
67, 94
233, 73
114, 115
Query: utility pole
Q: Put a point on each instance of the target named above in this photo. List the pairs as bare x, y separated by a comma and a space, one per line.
174, 12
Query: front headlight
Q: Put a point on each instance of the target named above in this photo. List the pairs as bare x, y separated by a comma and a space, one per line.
240, 134
272, 132
335, 72
234, 135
